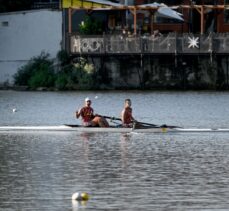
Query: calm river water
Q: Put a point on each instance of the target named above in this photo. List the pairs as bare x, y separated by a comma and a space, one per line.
41, 170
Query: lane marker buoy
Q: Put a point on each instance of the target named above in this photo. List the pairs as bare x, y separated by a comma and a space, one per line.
80, 196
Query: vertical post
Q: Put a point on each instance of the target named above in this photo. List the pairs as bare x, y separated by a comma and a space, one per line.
126, 12
61, 3
135, 21
64, 29
202, 19
151, 21
69, 20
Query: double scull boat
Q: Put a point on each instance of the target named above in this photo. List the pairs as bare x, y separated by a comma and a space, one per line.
79, 128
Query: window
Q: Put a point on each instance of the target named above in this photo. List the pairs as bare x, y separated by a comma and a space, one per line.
4, 23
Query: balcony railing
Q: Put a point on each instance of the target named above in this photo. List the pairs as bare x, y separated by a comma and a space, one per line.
161, 44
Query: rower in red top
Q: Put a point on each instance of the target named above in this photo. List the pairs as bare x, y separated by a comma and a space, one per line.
126, 115
88, 117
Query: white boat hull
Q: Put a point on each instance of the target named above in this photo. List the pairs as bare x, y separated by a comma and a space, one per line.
109, 130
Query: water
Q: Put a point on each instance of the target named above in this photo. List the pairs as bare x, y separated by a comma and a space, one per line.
40, 171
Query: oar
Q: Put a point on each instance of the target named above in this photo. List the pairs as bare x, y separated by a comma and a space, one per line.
115, 118
143, 123
110, 117
159, 126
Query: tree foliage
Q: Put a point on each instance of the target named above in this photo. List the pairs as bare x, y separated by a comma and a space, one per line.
90, 26
38, 72
41, 72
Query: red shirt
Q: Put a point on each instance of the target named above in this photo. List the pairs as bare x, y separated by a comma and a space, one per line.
87, 114
127, 116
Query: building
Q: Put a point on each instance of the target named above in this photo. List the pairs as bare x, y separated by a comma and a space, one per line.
140, 29
161, 51
25, 34
202, 22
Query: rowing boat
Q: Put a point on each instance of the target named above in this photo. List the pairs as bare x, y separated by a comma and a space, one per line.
79, 128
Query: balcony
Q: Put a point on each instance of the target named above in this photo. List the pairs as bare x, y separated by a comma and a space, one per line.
171, 43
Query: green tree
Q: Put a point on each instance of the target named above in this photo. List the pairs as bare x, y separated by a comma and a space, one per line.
38, 72
90, 26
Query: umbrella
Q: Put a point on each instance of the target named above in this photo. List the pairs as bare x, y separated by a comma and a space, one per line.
163, 11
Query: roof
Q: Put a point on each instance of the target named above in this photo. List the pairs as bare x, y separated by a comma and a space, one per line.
89, 4
162, 9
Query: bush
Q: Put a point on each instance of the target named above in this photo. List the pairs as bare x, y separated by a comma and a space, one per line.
63, 57
44, 77
37, 72
85, 74
61, 81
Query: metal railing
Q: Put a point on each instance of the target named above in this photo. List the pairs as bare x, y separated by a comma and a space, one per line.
171, 43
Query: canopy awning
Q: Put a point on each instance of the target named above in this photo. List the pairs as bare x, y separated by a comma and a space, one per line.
89, 4
163, 10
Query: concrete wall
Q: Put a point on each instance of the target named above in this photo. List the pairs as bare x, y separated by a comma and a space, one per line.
164, 72
26, 34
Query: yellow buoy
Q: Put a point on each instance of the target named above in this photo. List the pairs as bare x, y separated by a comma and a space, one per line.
164, 130
80, 196
85, 196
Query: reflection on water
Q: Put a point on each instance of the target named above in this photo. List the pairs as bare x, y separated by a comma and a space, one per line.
41, 171
119, 171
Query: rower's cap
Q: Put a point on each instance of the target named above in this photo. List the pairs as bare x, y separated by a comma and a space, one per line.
87, 99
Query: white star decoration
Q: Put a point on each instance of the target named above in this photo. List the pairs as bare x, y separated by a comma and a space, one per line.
193, 42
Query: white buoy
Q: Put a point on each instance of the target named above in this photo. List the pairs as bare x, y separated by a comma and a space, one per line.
80, 196
96, 97
14, 110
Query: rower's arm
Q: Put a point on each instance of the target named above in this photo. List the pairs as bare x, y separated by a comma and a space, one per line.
123, 116
78, 113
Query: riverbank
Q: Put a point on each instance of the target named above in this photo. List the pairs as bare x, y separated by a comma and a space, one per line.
133, 72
